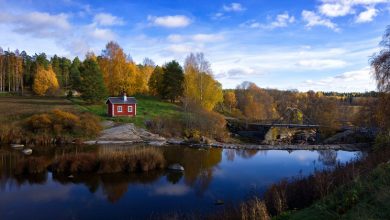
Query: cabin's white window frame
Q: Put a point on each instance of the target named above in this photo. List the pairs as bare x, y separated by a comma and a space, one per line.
129, 108
119, 108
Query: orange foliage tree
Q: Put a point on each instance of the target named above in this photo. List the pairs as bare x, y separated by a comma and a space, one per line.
45, 81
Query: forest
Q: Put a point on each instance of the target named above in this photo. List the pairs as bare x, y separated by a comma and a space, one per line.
192, 86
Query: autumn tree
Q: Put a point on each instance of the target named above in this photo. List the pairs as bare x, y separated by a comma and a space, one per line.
255, 103
199, 84
45, 81
11, 71
91, 85
156, 82
380, 64
119, 73
144, 73
229, 100
172, 81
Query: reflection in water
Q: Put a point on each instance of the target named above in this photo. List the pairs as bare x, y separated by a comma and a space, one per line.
198, 165
327, 157
209, 175
174, 177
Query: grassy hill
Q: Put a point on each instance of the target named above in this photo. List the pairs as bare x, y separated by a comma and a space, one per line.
147, 108
16, 108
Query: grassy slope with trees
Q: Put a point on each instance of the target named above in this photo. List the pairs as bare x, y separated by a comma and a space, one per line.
148, 108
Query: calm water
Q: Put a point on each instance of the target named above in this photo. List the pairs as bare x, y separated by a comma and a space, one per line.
228, 175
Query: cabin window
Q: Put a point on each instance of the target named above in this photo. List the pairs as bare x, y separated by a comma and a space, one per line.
129, 108
119, 108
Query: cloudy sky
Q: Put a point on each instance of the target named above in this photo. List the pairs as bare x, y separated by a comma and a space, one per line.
287, 44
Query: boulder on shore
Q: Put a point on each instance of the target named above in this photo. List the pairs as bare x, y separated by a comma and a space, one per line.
126, 133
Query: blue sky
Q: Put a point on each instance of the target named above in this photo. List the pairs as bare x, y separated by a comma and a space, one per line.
286, 44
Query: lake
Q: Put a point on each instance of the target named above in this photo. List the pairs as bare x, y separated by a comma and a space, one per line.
210, 175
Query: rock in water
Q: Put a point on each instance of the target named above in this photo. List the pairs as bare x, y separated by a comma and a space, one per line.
27, 151
176, 167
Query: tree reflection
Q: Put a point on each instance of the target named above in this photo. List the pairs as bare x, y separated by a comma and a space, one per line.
246, 154
328, 157
230, 154
198, 165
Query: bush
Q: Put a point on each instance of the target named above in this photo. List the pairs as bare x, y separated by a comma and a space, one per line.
61, 126
40, 123
68, 121
89, 125
382, 141
166, 126
254, 209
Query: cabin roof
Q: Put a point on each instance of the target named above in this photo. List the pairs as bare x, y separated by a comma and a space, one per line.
119, 100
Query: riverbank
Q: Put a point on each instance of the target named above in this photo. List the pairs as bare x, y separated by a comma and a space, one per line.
365, 198
127, 134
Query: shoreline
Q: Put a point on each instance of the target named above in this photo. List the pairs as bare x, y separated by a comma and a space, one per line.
345, 147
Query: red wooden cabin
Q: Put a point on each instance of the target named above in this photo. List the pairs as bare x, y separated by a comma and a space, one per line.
121, 106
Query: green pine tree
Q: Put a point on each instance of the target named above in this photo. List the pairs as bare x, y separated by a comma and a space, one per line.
75, 74
156, 81
92, 86
173, 79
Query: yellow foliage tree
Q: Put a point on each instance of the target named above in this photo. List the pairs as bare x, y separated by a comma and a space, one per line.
229, 99
119, 73
199, 84
44, 81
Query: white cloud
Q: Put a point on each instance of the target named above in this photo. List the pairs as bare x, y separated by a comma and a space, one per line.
237, 73
105, 19
320, 64
367, 16
201, 38
348, 81
103, 34
235, 7
170, 21
175, 38
207, 37
340, 8
180, 48
251, 24
312, 19
336, 9
218, 16
40, 24
282, 20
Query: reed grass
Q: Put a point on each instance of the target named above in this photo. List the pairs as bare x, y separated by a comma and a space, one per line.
131, 160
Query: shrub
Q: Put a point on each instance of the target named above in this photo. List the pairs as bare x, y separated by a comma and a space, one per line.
382, 141
166, 126
40, 123
68, 121
254, 209
89, 125
60, 127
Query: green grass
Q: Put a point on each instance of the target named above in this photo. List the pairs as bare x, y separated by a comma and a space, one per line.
366, 198
147, 108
